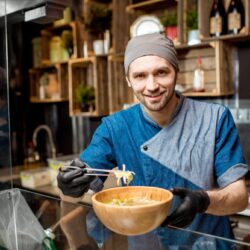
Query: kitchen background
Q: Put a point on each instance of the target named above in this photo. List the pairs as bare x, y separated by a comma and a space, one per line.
48, 52
30, 59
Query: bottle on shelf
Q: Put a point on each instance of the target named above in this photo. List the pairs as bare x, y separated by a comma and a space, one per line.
198, 81
235, 16
43, 86
218, 19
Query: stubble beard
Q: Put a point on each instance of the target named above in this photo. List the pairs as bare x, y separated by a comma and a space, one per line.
156, 106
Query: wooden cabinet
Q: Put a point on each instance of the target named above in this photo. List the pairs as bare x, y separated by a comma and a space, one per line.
91, 71
204, 12
97, 18
120, 94
49, 77
69, 42
219, 75
49, 83
216, 53
159, 8
106, 73
217, 66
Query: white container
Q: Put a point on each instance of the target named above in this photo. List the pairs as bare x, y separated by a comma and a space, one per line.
42, 92
98, 46
35, 177
193, 37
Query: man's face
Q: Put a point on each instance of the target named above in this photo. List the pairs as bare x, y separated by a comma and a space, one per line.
153, 81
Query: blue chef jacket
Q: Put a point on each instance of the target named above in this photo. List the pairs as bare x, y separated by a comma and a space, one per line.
198, 149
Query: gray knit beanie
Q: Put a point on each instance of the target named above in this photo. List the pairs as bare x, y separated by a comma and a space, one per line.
150, 44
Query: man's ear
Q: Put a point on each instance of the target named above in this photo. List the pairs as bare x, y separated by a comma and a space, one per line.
128, 82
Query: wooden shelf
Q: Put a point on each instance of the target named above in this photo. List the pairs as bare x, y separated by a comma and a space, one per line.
216, 63
106, 73
60, 72
151, 5
56, 30
48, 65
203, 44
204, 23
78, 112
60, 27
91, 71
158, 8
47, 100
207, 94
230, 38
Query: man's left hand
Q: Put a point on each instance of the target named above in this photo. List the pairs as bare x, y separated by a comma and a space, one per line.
193, 202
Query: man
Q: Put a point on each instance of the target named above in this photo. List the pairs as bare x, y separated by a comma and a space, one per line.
171, 142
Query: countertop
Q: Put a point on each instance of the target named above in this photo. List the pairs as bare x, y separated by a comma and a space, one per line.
50, 190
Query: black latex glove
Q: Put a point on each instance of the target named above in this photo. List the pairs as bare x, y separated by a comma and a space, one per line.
193, 202
73, 182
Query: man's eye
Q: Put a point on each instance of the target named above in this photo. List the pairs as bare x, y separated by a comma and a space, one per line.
139, 76
161, 73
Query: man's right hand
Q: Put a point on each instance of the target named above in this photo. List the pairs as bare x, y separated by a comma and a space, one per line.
73, 181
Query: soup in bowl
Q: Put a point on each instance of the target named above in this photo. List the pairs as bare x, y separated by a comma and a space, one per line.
132, 210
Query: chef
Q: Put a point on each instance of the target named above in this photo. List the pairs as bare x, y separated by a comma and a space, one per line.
169, 141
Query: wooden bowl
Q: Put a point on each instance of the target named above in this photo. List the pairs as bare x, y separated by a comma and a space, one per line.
132, 219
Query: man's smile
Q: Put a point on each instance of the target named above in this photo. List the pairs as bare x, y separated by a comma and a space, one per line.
154, 97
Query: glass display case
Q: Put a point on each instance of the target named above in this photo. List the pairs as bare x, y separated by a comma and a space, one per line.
33, 221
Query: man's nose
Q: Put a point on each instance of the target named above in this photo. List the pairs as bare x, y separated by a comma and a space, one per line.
152, 83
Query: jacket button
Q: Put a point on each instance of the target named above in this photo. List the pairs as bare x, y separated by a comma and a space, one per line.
145, 147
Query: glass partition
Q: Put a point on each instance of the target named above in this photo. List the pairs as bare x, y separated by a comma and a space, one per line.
5, 157
34, 220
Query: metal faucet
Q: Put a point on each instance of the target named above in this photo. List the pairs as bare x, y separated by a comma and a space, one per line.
48, 130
